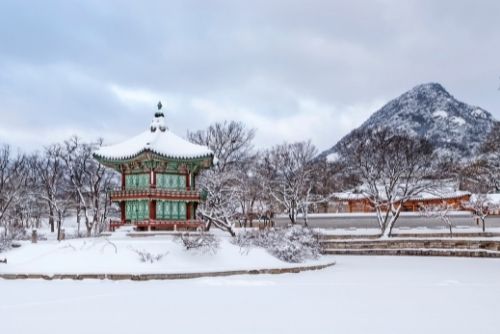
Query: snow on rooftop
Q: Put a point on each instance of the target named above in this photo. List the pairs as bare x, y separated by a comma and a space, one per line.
440, 195
492, 198
427, 195
158, 139
347, 196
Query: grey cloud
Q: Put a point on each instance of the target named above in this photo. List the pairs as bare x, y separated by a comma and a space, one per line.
58, 60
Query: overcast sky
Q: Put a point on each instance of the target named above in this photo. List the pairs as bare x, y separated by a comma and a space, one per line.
294, 70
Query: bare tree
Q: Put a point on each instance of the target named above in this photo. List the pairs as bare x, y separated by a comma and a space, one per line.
89, 182
483, 174
53, 186
439, 211
250, 196
31, 208
232, 144
490, 154
13, 185
392, 169
289, 171
481, 207
220, 207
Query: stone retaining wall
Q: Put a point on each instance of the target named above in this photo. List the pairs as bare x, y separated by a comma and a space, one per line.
447, 235
417, 246
468, 244
159, 276
410, 235
347, 236
414, 252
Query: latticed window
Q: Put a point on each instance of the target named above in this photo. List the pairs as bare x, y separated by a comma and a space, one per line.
171, 181
136, 181
171, 210
137, 210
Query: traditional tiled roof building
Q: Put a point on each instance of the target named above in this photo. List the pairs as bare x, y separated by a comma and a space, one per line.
349, 202
158, 177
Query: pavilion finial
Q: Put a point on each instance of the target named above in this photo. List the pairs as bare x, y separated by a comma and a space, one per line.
159, 112
159, 120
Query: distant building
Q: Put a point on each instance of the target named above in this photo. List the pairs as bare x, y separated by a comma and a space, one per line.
158, 178
356, 202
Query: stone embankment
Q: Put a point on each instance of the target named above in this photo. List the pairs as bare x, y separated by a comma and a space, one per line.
166, 276
420, 246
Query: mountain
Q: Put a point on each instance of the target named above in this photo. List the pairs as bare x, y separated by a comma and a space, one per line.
429, 111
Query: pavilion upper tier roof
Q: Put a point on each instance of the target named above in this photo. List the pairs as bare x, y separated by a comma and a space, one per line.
159, 140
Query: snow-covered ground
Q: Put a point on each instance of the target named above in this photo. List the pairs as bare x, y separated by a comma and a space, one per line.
118, 254
367, 295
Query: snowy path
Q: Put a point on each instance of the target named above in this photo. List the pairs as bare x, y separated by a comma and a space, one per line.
358, 295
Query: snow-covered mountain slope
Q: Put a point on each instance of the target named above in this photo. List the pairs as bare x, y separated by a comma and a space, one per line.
429, 111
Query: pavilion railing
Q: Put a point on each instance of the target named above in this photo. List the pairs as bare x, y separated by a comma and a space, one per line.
174, 224
157, 193
160, 222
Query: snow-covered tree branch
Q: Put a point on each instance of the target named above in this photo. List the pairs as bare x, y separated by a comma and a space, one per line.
89, 182
392, 168
289, 172
439, 211
53, 186
13, 186
232, 144
481, 207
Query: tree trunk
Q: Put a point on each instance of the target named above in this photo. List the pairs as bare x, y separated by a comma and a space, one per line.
51, 218
483, 220
78, 212
395, 218
59, 227
291, 215
387, 232
390, 229
305, 212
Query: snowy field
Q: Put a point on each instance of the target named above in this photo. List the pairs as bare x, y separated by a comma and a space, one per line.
358, 295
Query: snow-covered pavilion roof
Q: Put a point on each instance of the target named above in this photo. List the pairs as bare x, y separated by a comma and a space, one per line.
158, 139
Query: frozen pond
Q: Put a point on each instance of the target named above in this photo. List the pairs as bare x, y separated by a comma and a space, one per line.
358, 295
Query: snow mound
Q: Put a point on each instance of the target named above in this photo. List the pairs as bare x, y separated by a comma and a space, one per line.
121, 255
